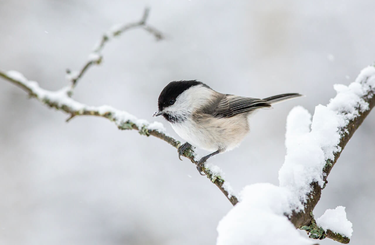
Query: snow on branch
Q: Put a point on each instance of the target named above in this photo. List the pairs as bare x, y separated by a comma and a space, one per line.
336, 221
62, 101
313, 148
312, 155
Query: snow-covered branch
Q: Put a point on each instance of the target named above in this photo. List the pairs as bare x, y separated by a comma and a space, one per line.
61, 100
317, 151
313, 148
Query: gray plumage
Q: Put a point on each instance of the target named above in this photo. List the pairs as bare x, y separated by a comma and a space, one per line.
231, 105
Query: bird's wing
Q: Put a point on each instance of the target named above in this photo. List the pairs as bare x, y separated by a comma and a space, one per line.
231, 105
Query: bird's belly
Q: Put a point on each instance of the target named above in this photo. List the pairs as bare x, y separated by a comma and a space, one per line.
195, 136
213, 134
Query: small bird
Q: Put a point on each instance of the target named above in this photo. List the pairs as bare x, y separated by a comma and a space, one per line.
208, 119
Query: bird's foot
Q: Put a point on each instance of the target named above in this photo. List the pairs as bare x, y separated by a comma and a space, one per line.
184, 150
202, 161
200, 166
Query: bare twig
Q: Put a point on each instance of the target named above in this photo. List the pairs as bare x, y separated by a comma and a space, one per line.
95, 58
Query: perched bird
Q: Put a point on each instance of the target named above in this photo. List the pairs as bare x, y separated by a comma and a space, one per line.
208, 119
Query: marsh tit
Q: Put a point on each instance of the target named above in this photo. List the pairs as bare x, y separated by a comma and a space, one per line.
208, 119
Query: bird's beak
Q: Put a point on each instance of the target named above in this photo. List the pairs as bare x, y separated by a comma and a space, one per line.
158, 113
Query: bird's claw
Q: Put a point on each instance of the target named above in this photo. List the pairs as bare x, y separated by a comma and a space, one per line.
182, 149
185, 148
200, 167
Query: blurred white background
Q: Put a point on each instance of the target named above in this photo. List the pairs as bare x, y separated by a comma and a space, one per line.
85, 182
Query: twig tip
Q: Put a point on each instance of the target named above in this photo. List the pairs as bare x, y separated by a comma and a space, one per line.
70, 118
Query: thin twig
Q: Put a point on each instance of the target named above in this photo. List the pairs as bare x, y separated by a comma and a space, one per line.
96, 57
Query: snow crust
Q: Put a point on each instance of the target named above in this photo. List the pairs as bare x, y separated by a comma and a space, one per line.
16, 76
94, 57
228, 188
158, 126
310, 143
217, 172
336, 221
259, 217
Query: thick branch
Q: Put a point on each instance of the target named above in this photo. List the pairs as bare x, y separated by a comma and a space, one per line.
303, 219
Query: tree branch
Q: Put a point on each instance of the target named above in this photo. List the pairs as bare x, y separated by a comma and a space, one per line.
95, 58
60, 100
304, 219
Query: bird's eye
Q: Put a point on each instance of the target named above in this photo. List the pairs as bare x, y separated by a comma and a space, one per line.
171, 102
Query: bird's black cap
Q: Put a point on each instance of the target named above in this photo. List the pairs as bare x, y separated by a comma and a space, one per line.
169, 94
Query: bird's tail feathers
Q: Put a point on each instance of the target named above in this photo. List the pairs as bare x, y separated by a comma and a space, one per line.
281, 97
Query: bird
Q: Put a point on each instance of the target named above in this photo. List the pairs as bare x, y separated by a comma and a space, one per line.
207, 119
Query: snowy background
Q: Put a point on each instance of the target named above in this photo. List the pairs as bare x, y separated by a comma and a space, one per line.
85, 182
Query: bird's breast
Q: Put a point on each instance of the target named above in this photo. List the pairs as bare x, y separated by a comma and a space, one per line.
211, 133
